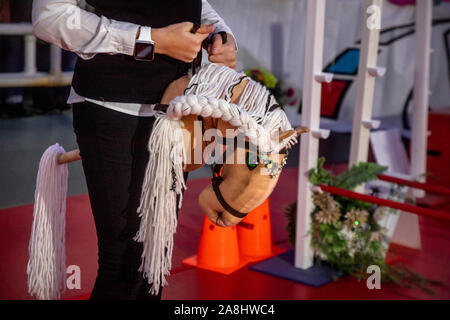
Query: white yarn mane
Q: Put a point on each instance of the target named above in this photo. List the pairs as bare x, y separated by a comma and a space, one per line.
208, 94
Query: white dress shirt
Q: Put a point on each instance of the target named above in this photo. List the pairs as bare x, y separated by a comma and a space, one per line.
63, 23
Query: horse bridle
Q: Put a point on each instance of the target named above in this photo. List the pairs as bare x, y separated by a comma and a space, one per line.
217, 168
216, 171
217, 178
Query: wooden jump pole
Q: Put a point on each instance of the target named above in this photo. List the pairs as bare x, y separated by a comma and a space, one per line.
387, 203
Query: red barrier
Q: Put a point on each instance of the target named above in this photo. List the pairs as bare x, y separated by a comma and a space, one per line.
415, 184
387, 203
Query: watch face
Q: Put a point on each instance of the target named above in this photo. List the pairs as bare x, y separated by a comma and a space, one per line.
143, 51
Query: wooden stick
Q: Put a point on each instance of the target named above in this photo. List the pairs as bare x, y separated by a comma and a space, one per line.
69, 156
298, 131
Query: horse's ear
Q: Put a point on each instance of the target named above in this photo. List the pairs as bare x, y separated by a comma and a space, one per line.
288, 133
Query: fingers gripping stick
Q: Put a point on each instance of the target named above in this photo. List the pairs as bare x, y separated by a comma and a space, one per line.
198, 61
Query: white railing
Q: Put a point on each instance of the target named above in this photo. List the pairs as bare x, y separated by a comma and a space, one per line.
30, 77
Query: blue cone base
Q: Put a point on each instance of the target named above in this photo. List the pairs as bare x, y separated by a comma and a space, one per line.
283, 266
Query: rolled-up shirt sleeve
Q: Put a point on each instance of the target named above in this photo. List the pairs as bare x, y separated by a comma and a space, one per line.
209, 15
64, 24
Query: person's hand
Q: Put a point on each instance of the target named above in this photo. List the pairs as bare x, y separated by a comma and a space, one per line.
177, 41
223, 54
211, 206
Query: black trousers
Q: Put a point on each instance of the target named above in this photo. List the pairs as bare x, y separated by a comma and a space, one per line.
113, 147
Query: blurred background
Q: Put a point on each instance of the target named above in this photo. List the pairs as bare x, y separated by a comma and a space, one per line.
35, 77
35, 80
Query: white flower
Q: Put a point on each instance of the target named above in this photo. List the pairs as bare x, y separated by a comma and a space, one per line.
356, 218
378, 235
378, 214
330, 209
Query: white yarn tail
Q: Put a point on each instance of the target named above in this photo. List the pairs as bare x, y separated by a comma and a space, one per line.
46, 267
163, 181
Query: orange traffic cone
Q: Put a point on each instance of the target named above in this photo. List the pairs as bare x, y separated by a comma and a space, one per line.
218, 249
255, 234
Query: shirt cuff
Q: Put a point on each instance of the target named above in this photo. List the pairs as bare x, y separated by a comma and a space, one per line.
123, 36
219, 28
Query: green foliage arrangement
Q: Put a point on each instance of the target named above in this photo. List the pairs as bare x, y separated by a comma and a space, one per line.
346, 233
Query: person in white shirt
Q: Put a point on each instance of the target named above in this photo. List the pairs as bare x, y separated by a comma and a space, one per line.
129, 51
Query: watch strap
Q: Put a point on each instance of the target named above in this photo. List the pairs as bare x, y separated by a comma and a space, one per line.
145, 34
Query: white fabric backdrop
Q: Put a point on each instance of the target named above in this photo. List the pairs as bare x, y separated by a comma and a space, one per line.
270, 34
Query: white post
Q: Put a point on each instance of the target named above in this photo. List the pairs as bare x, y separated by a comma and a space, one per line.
55, 61
365, 83
309, 145
30, 54
421, 90
30, 77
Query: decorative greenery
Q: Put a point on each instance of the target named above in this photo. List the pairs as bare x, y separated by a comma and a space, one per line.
266, 78
350, 179
291, 214
346, 233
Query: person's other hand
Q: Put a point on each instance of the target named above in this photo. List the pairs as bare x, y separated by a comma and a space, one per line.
177, 41
222, 219
223, 54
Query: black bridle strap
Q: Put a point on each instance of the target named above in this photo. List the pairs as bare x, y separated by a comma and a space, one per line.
161, 107
216, 181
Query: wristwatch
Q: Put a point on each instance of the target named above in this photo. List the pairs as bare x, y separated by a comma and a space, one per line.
144, 48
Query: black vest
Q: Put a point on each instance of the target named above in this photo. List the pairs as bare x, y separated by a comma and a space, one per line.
120, 78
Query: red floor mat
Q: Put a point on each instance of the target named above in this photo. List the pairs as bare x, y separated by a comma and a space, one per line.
189, 283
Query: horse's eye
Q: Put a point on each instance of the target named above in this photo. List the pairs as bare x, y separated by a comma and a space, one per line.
252, 161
